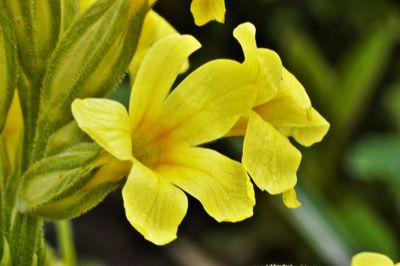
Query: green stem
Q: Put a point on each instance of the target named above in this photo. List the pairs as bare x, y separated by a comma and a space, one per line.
66, 242
24, 232
25, 238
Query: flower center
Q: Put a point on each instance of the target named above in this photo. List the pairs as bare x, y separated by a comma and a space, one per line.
146, 150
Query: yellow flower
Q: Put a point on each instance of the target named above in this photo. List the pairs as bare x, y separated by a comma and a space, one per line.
372, 259
282, 109
206, 10
161, 133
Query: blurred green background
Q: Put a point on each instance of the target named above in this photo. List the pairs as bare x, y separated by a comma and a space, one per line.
347, 55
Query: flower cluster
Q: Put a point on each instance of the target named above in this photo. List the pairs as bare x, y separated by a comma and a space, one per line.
161, 133
63, 58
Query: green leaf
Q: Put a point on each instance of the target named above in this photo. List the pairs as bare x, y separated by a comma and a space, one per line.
391, 102
376, 157
8, 65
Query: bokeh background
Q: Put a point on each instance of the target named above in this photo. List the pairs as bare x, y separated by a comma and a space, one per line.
347, 55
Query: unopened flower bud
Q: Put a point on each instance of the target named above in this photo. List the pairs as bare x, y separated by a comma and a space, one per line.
8, 65
92, 57
69, 184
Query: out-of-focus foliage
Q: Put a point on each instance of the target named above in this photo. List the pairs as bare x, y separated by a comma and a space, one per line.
376, 157
346, 54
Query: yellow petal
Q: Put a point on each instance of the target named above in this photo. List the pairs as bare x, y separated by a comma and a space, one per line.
290, 112
245, 33
85, 4
154, 28
264, 65
107, 123
290, 199
295, 89
239, 129
112, 171
12, 131
219, 183
157, 73
207, 103
206, 10
371, 259
269, 157
153, 206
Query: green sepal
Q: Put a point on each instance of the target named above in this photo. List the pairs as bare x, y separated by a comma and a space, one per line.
2, 197
37, 26
57, 187
3, 169
77, 203
69, 13
64, 138
50, 178
5, 255
91, 59
8, 64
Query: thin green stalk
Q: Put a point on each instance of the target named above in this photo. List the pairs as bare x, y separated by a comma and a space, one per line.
66, 242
